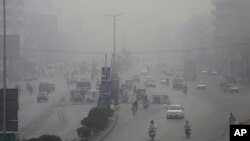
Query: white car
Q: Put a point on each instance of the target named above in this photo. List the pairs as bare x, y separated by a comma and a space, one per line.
144, 71
231, 88
42, 96
201, 86
204, 71
163, 81
149, 77
234, 89
175, 111
92, 95
214, 72
150, 83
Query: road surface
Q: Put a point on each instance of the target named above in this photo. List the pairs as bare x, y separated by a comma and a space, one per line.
207, 112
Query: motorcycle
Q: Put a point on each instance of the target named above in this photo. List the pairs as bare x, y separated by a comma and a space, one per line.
152, 133
134, 109
188, 132
145, 105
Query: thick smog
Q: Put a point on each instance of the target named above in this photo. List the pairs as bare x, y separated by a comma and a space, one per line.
119, 70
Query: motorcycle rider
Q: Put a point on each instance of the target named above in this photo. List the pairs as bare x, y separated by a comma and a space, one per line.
134, 89
187, 128
135, 104
232, 119
145, 100
185, 89
151, 127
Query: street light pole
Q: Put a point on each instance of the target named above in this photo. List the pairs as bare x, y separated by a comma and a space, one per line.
114, 50
4, 67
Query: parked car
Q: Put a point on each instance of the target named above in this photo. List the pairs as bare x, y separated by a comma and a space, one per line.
42, 96
175, 111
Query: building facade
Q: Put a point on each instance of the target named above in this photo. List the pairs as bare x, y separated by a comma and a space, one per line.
232, 34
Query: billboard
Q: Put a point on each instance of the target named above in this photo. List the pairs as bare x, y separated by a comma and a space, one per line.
12, 47
105, 73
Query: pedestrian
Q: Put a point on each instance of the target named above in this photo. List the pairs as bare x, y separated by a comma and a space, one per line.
134, 89
232, 119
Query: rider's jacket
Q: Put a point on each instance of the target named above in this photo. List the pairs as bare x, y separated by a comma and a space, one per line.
152, 126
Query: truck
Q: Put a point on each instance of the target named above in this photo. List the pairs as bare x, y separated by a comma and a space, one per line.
48, 87
76, 96
140, 93
190, 71
178, 84
83, 85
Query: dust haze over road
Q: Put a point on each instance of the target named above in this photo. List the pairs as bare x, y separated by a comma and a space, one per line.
61, 42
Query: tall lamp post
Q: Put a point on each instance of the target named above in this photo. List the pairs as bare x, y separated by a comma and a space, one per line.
114, 51
4, 67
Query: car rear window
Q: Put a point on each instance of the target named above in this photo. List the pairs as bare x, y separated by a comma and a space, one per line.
175, 108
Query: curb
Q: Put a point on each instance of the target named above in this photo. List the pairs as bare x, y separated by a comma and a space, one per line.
109, 129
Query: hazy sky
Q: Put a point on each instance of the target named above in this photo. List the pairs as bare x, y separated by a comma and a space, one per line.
84, 20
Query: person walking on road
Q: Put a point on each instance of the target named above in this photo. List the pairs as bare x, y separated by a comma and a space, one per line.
232, 119
134, 89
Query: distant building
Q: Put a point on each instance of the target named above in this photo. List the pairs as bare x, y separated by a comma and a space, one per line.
232, 33
14, 16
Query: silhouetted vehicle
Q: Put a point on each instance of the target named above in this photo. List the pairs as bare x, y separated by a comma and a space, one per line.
76, 96
178, 84
42, 96
83, 85
48, 87
140, 93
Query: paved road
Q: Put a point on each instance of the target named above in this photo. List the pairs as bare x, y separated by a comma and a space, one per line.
36, 119
207, 112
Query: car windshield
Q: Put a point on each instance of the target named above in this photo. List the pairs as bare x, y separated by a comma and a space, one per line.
174, 108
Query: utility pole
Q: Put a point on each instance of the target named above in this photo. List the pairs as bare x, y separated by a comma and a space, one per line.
105, 60
114, 50
4, 67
